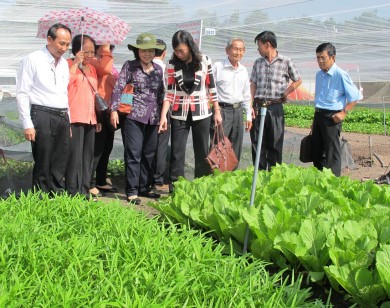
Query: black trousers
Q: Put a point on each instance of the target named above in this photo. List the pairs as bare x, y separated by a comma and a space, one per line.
271, 151
200, 138
79, 172
50, 149
233, 127
160, 173
140, 149
326, 142
104, 142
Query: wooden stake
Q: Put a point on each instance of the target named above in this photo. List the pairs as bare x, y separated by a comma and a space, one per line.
370, 149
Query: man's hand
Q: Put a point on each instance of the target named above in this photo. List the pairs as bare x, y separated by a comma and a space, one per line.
29, 134
253, 113
339, 116
248, 125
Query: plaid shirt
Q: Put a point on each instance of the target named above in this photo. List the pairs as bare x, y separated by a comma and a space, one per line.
202, 93
272, 79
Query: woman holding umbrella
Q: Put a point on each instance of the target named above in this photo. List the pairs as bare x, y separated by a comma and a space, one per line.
141, 124
82, 115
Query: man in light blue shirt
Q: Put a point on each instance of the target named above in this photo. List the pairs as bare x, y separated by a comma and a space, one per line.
335, 96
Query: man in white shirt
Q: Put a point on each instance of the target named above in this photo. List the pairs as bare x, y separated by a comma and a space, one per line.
160, 176
234, 95
42, 98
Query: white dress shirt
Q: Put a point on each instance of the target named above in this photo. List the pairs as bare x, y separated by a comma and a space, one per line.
42, 83
233, 85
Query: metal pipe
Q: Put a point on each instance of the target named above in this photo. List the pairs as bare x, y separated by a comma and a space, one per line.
263, 112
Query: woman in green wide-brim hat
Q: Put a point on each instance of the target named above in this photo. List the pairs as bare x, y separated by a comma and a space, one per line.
140, 123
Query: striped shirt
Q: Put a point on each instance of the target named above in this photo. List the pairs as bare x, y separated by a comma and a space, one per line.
199, 97
272, 79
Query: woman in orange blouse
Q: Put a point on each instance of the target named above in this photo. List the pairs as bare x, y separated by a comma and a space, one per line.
82, 116
104, 140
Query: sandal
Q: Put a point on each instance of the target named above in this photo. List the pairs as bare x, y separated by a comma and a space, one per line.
134, 200
107, 188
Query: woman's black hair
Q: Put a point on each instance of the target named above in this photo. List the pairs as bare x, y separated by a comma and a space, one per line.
76, 43
136, 53
184, 37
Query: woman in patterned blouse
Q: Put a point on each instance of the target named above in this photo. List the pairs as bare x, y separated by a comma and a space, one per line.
141, 124
190, 90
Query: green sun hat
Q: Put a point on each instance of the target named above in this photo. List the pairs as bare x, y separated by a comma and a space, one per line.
145, 41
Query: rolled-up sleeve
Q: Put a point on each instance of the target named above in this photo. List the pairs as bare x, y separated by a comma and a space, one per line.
25, 84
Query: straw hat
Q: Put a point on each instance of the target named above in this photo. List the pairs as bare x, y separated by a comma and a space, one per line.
145, 41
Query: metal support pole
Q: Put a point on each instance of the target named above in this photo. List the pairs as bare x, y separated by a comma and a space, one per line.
263, 112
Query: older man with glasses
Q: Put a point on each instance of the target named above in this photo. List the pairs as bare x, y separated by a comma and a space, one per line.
234, 94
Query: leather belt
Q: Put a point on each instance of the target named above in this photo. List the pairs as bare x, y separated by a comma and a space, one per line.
57, 111
228, 105
326, 110
267, 102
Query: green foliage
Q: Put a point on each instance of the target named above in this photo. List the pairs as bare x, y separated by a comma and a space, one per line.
14, 167
331, 226
116, 167
10, 136
359, 120
66, 252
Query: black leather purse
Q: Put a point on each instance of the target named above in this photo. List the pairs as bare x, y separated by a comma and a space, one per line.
306, 149
100, 103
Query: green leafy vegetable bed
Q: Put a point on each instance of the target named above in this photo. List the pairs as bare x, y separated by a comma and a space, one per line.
71, 253
335, 228
359, 120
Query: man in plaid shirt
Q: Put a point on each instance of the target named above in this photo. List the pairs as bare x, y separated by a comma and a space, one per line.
270, 86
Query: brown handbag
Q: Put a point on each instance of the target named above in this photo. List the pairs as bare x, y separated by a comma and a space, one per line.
221, 156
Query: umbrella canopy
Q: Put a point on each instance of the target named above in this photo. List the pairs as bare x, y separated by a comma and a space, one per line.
102, 27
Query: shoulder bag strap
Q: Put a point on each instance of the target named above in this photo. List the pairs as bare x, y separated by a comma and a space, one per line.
90, 84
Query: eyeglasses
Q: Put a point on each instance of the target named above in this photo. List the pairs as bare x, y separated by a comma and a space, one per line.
322, 59
235, 49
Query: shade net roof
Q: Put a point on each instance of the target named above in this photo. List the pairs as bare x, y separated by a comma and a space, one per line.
359, 29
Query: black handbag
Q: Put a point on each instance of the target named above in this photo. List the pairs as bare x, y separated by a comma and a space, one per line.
100, 103
306, 149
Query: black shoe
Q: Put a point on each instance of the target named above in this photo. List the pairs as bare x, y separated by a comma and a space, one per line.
135, 201
149, 194
384, 179
170, 188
